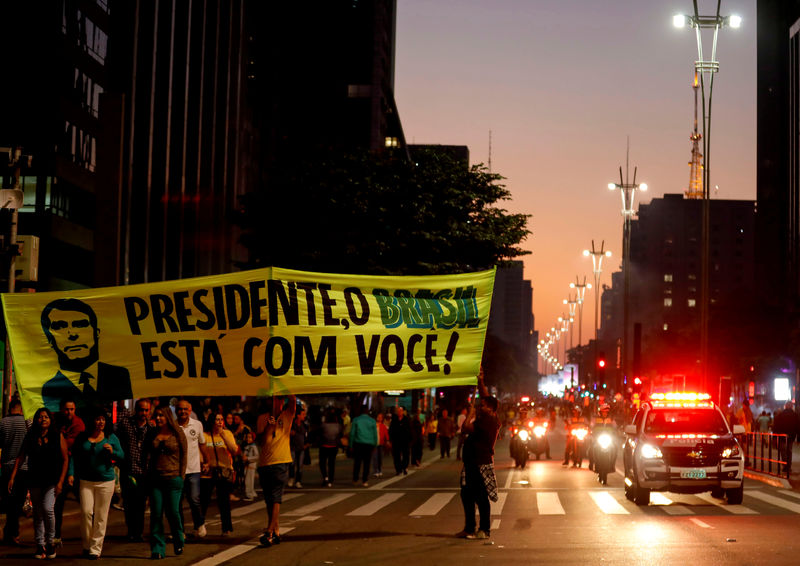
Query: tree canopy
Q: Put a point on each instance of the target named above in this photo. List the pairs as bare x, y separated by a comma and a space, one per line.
368, 213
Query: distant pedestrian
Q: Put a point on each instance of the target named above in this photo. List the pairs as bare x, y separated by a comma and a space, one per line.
363, 439
94, 455
478, 480
250, 466
219, 451
417, 440
165, 453
195, 441
298, 443
12, 434
331, 436
132, 431
787, 422
447, 429
432, 430
400, 437
45, 449
70, 426
383, 443
275, 456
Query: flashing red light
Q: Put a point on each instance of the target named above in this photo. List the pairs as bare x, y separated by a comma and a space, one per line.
525, 399
637, 381
601, 363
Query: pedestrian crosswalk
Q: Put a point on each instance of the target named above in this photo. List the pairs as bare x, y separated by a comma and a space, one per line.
421, 504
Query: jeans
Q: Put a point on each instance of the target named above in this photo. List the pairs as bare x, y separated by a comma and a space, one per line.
165, 498
191, 493
60, 501
43, 500
224, 489
377, 460
444, 446
134, 494
400, 453
327, 462
473, 494
95, 503
296, 467
250, 481
362, 454
13, 501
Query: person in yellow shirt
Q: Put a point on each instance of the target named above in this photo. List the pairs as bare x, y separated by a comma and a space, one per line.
275, 456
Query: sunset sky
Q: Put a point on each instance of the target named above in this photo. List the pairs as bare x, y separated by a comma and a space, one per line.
561, 84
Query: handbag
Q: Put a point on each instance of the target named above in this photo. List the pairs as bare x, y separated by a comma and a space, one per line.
221, 472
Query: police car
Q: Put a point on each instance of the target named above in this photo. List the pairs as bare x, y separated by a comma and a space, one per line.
681, 442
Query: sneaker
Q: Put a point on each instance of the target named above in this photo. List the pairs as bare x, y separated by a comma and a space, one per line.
249, 499
478, 535
201, 531
50, 551
235, 497
118, 507
365, 484
265, 540
290, 483
40, 553
464, 534
330, 484
298, 485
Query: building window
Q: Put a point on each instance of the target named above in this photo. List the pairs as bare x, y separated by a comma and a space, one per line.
692, 277
665, 327
667, 301
668, 277
692, 303
391, 141
668, 291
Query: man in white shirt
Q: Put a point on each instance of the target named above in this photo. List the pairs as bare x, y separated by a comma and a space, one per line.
194, 465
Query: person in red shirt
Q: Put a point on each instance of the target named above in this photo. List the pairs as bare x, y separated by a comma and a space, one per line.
70, 426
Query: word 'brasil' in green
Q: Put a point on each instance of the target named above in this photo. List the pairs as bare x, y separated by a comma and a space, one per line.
236, 306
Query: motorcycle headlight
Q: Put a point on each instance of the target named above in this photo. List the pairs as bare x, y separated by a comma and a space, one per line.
731, 451
580, 433
649, 451
539, 431
523, 434
530, 424
604, 441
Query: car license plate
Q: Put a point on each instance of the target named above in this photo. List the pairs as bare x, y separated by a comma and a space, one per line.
694, 474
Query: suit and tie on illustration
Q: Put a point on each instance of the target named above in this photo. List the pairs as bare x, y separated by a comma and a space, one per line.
70, 326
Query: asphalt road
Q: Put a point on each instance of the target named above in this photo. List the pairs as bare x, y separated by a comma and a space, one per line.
546, 514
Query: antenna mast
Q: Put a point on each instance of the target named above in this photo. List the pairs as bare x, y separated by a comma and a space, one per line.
490, 151
695, 190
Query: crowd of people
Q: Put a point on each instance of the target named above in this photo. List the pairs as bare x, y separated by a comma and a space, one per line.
173, 458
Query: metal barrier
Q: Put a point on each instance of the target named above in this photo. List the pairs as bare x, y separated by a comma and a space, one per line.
765, 452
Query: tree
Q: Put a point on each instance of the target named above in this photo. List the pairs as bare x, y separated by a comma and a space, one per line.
368, 213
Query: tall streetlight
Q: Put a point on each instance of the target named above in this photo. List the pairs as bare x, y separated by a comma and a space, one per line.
580, 290
572, 305
597, 269
706, 68
628, 191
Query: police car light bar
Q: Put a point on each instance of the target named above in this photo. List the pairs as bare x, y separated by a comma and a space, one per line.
681, 399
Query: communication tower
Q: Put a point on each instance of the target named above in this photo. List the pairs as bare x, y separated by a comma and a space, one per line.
695, 190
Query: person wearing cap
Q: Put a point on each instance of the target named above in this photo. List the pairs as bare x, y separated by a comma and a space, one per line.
787, 422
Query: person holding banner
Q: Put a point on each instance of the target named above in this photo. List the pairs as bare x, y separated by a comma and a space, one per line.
70, 326
274, 459
165, 454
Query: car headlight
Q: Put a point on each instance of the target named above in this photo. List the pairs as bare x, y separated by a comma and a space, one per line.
649, 451
539, 431
731, 451
604, 441
523, 434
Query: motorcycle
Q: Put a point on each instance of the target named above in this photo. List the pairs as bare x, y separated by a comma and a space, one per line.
538, 443
518, 446
604, 450
575, 442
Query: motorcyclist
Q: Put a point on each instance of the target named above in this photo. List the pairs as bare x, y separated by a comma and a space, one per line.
602, 424
577, 421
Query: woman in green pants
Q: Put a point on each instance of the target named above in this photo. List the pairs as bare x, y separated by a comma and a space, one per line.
165, 453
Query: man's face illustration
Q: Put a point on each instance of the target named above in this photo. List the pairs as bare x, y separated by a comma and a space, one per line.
73, 334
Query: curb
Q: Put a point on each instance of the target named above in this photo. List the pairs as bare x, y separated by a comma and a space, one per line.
774, 481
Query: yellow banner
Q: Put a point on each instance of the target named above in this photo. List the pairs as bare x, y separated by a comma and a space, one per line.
261, 332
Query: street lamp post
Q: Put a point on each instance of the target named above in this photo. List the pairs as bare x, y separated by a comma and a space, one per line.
628, 191
580, 290
706, 68
597, 269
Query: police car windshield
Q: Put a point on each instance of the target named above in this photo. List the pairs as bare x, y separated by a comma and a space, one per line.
685, 421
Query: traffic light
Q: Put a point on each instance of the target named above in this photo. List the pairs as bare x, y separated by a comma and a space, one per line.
601, 368
637, 384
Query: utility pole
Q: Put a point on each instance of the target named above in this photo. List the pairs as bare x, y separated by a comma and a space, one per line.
11, 199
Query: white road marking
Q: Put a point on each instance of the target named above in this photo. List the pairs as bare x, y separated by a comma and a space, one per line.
495, 524
548, 503
376, 505
607, 503
777, 501
668, 506
734, 509
390, 481
497, 508
789, 493
434, 504
510, 477
317, 505
234, 551
700, 523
